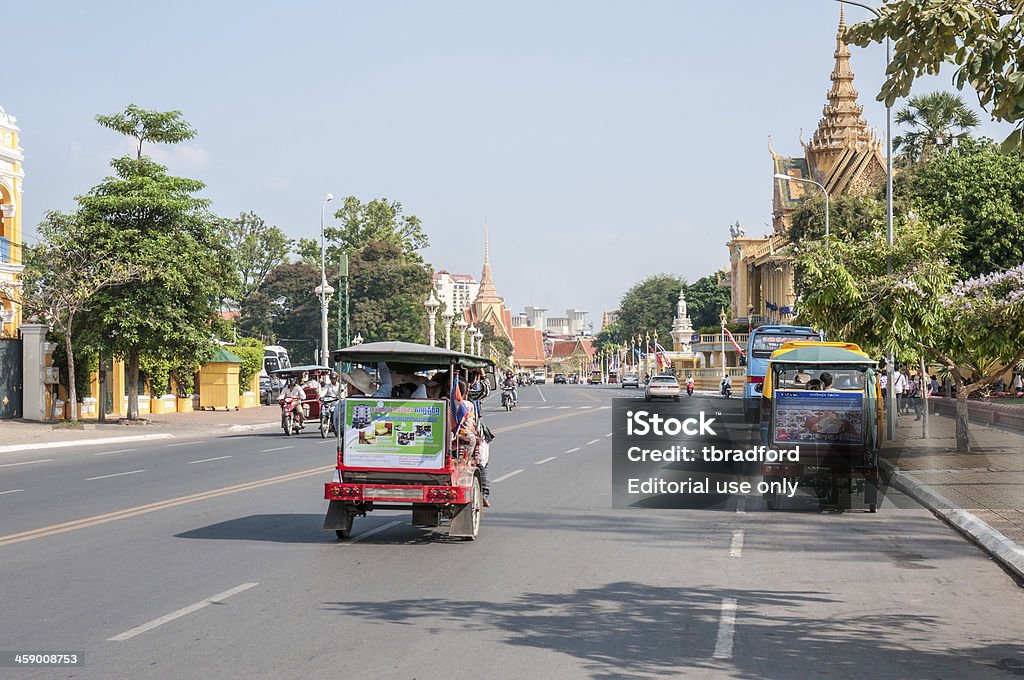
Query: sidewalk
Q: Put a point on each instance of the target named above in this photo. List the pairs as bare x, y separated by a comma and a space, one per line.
18, 435
980, 493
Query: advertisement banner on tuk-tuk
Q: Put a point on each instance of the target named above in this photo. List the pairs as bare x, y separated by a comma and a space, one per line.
811, 416
394, 433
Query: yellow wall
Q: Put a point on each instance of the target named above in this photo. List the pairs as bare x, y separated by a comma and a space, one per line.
10, 227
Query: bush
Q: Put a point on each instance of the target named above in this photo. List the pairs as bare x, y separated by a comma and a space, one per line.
250, 351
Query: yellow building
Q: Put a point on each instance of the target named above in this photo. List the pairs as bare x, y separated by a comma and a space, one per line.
11, 175
845, 157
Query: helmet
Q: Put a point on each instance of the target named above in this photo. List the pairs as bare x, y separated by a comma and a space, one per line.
334, 376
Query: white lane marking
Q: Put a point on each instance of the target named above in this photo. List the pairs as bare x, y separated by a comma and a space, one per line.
561, 407
608, 435
741, 505
736, 546
726, 623
116, 474
574, 450
107, 453
11, 491
546, 460
128, 634
279, 448
583, 408
542, 407
95, 441
201, 441
332, 440
542, 398
603, 407
504, 477
591, 442
371, 532
206, 460
28, 462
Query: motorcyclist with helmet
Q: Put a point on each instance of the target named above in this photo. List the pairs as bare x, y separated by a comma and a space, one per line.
294, 389
511, 383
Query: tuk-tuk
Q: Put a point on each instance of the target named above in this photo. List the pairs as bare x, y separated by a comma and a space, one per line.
404, 453
311, 404
825, 398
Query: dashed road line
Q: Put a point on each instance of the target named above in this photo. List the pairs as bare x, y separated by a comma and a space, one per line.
542, 397
206, 460
562, 407
583, 407
372, 532
11, 491
116, 474
726, 624
107, 453
592, 442
546, 460
736, 546
28, 462
279, 448
543, 407
741, 505
609, 434
220, 597
506, 476
201, 441
573, 450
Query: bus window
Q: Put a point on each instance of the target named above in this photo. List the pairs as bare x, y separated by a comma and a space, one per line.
762, 342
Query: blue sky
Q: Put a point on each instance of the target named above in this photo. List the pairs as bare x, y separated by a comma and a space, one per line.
601, 141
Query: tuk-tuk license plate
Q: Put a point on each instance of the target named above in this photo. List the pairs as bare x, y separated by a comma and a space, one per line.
393, 492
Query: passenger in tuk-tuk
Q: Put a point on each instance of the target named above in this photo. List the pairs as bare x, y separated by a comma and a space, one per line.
469, 435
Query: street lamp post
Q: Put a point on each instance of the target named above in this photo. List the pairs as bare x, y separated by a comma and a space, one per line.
479, 343
890, 362
725, 369
432, 306
461, 324
324, 290
447, 317
647, 354
787, 178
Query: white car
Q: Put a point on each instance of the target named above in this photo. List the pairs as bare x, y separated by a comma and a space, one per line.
662, 387
630, 380
540, 377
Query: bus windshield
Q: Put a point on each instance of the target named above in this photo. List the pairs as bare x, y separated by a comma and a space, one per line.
766, 339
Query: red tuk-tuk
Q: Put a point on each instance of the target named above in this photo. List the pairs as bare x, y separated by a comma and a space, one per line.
404, 453
311, 404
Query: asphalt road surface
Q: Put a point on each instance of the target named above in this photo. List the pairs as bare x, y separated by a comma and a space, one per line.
205, 559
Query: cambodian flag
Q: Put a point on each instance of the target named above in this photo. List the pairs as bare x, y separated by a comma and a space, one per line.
733, 341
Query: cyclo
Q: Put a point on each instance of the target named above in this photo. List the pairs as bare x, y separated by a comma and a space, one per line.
311, 404
825, 398
405, 453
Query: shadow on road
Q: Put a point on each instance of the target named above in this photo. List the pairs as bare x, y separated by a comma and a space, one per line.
279, 528
632, 630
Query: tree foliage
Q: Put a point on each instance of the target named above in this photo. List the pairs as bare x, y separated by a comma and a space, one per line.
284, 310
705, 300
983, 38
938, 121
256, 248
650, 306
495, 342
849, 217
387, 294
364, 223
250, 351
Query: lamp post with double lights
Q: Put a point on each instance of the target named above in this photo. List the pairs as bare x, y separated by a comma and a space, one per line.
446, 318
479, 342
432, 306
461, 325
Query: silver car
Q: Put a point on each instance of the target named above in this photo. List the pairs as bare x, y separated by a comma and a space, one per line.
662, 387
630, 380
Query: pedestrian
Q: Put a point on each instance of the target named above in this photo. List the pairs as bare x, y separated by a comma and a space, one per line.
899, 386
1018, 383
883, 383
914, 389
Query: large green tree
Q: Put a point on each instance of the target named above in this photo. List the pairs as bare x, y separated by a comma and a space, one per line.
160, 223
650, 306
284, 310
706, 298
387, 294
983, 38
363, 223
256, 248
936, 122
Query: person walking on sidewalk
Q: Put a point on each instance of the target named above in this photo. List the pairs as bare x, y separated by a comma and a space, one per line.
899, 386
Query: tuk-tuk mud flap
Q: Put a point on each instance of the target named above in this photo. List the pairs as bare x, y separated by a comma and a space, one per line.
466, 521
339, 516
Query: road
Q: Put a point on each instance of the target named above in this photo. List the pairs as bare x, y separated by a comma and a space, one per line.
205, 559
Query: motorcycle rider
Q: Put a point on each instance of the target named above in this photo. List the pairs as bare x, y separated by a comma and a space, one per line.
294, 389
726, 384
689, 384
510, 383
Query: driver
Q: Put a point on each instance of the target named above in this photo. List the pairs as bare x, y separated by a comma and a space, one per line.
689, 380
294, 389
330, 390
726, 382
510, 383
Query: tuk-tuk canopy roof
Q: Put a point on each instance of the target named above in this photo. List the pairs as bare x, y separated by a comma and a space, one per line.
813, 352
408, 353
299, 370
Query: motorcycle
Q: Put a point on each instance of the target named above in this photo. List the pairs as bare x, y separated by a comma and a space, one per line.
508, 401
327, 407
289, 423
726, 390
689, 389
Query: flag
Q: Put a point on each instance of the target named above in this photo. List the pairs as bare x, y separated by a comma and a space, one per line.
733, 341
662, 354
459, 409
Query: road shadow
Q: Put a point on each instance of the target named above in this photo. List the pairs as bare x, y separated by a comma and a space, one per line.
275, 528
629, 630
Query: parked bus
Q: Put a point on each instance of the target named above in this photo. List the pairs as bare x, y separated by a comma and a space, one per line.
763, 341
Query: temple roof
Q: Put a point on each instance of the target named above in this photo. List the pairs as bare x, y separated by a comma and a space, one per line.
487, 293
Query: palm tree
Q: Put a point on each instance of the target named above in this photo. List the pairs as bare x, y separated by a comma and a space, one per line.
938, 121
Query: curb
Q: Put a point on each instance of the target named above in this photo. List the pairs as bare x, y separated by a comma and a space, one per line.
84, 442
1004, 550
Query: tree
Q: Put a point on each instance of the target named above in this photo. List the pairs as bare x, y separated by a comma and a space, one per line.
285, 310
496, 343
65, 272
256, 248
650, 306
938, 122
982, 37
706, 298
979, 189
361, 224
159, 224
387, 293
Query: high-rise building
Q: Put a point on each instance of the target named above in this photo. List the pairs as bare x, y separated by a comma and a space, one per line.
456, 291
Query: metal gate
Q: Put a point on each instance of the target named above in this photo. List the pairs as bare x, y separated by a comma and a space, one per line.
10, 378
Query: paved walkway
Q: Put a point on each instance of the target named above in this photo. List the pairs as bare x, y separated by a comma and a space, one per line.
988, 482
19, 432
